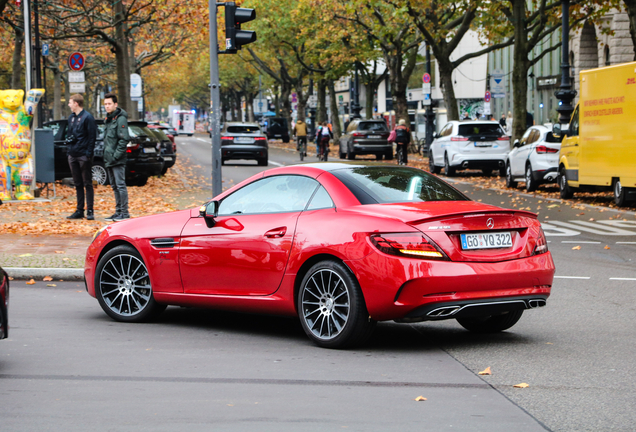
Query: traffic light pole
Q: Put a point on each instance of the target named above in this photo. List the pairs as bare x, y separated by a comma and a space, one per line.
215, 102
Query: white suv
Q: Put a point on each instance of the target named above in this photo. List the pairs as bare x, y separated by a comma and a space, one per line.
469, 144
534, 159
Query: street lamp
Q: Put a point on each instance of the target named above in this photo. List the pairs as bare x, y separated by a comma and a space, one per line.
565, 94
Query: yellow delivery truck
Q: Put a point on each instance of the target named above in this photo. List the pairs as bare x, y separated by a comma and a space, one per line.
598, 151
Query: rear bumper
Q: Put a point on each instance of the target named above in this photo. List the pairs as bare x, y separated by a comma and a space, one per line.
548, 175
478, 162
169, 160
243, 152
372, 148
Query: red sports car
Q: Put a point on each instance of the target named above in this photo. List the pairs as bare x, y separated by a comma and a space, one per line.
340, 245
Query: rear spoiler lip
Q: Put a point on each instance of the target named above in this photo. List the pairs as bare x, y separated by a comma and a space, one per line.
525, 213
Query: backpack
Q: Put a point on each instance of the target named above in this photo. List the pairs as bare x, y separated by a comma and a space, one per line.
401, 135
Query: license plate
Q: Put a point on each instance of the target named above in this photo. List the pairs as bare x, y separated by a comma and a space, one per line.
149, 150
483, 144
278, 136
243, 140
168, 158
374, 136
486, 240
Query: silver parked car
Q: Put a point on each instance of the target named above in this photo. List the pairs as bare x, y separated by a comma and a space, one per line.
244, 141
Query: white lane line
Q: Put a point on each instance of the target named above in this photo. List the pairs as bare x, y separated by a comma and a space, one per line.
581, 242
623, 279
204, 140
276, 163
572, 277
632, 243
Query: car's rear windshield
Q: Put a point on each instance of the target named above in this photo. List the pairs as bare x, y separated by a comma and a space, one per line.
243, 129
387, 185
551, 139
470, 130
373, 126
139, 131
160, 134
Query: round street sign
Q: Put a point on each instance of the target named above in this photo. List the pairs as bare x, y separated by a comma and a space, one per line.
76, 61
487, 96
426, 78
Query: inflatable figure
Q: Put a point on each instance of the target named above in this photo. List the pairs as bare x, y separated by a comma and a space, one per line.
16, 161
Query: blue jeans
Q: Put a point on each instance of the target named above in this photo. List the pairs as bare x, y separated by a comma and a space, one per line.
117, 179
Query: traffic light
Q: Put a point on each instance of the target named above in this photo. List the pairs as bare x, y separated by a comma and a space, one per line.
235, 38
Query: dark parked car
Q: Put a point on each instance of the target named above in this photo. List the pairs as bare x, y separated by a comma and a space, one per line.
4, 304
143, 159
166, 147
277, 128
366, 137
244, 141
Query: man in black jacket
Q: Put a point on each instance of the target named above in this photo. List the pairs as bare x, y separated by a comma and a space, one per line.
81, 135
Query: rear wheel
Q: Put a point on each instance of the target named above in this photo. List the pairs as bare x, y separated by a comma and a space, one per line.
565, 191
448, 169
378, 157
388, 155
431, 164
620, 193
98, 171
351, 156
331, 307
491, 324
122, 286
262, 162
509, 179
531, 183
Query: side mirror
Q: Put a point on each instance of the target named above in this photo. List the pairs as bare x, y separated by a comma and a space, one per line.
209, 212
517, 144
556, 130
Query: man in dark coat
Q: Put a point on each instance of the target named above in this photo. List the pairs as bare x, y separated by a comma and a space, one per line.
116, 138
81, 135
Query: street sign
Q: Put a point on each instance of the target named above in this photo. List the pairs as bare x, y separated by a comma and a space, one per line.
76, 61
140, 103
45, 49
426, 78
487, 108
487, 96
135, 85
77, 87
312, 102
427, 99
426, 87
497, 84
260, 106
76, 77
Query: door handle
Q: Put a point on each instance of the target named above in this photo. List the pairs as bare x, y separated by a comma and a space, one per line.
276, 232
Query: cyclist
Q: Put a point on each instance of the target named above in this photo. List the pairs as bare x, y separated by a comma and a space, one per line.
402, 139
323, 135
300, 131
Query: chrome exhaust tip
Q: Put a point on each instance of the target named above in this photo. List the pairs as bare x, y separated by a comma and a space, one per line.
536, 303
443, 311
465, 164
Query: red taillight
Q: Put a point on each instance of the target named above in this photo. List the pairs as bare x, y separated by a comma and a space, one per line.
542, 244
358, 134
411, 245
503, 138
131, 146
260, 139
228, 138
459, 138
543, 149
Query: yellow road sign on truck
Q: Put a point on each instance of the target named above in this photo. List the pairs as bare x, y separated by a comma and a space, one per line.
599, 148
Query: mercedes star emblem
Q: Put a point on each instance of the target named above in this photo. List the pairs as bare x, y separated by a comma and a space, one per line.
490, 223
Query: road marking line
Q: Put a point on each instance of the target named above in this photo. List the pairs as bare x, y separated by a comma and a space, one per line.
633, 243
204, 140
594, 228
276, 163
582, 242
572, 277
623, 279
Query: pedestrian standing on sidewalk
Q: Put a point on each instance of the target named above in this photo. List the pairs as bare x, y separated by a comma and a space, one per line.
80, 138
116, 139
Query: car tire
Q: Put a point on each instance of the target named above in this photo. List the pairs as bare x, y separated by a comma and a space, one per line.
286, 140
565, 191
98, 171
378, 157
431, 164
388, 155
351, 156
620, 193
331, 307
491, 324
448, 170
509, 179
263, 162
122, 286
341, 155
531, 183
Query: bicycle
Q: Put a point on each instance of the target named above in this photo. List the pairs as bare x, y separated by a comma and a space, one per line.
399, 153
323, 154
302, 146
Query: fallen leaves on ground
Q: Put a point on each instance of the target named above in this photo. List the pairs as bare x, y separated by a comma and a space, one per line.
522, 385
30, 282
47, 279
607, 247
420, 399
51, 285
486, 371
576, 248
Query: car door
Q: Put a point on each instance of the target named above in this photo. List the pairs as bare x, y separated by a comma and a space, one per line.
245, 253
519, 154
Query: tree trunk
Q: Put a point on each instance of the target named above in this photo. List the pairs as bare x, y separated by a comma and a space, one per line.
16, 77
446, 76
66, 111
335, 118
519, 70
285, 93
369, 102
321, 113
122, 58
249, 104
399, 82
57, 93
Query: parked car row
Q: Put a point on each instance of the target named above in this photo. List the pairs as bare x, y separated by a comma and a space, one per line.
150, 152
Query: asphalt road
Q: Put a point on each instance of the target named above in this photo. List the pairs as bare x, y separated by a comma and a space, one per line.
67, 366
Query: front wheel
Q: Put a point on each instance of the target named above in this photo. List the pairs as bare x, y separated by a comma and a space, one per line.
123, 288
510, 182
331, 307
565, 191
491, 324
531, 183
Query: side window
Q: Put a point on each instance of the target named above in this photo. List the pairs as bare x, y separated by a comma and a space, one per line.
525, 138
276, 194
574, 124
100, 131
352, 126
446, 130
320, 200
58, 130
534, 136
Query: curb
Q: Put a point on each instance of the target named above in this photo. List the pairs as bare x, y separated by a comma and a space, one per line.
26, 273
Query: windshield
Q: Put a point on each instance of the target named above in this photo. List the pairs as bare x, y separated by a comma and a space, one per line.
487, 129
387, 185
373, 126
243, 129
138, 131
159, 134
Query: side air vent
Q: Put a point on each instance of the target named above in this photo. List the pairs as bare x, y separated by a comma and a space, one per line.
168, 242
